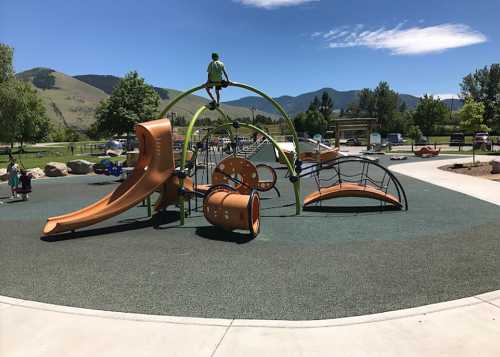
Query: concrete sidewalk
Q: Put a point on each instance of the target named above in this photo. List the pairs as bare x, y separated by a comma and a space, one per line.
428, 171
465, 327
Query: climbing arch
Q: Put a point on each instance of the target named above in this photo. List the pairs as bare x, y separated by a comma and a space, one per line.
293, 173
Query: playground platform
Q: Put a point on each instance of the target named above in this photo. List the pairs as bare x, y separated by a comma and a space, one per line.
357, 283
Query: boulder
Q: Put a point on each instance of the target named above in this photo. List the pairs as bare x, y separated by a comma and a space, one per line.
80, 167
4, 176
56, 169
36, 172
495, 167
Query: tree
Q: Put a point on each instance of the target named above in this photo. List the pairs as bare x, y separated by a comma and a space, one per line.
314, 105
484, 86
6, 68
414, 133
429, 113
472, 119
44, 79
311, 122
326, 105
386, 104
22, 113
367, 103
131, 102
352, 110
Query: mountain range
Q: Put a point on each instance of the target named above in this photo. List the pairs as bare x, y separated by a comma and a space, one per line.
71, 101
341, 99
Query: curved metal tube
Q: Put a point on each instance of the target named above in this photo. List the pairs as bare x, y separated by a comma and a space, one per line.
275, 104
291, 168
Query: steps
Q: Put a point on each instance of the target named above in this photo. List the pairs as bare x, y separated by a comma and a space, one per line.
250, 150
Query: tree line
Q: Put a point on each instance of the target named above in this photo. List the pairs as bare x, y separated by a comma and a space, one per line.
480, 92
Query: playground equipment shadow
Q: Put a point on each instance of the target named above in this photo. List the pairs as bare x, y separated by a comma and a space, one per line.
316, 266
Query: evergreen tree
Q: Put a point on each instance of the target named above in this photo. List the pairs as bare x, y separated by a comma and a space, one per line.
326, 105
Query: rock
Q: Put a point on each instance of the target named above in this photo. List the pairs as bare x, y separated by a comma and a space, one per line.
80, 167
4, 176
495, 167
36, 172
56, 169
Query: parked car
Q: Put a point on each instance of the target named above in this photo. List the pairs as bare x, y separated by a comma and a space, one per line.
482, 140
352, 142
457, 139
422, 141
395, 138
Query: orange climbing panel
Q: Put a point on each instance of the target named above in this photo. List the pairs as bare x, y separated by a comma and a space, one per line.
351, 190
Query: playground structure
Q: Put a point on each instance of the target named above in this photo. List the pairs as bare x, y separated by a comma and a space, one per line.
155, 166
364, 179
231, 201
224, 207
427, 151
313, 156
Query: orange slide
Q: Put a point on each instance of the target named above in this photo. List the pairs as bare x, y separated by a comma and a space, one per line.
154, 166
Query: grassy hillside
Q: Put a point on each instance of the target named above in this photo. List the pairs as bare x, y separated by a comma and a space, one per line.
68, 101
72, 101
107, 83
186, 107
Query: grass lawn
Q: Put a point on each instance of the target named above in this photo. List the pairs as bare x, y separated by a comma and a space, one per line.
36, 156
445, 139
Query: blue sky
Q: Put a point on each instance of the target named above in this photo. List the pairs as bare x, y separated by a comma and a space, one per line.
281, 46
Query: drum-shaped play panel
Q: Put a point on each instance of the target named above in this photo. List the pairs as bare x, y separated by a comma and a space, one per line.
236, 172
228, 209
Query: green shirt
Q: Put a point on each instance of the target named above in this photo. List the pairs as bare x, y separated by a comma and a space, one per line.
215, 69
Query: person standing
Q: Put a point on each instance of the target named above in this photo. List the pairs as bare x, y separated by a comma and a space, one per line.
13, 171
25, 180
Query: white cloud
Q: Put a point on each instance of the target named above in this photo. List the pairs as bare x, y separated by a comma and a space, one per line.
409, 41
272, 4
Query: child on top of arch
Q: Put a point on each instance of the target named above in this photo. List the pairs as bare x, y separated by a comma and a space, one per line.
215, 71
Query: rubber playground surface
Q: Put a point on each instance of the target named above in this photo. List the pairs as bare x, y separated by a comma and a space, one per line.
323, 264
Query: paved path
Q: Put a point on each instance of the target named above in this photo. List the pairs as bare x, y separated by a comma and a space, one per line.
428, 171
465, 327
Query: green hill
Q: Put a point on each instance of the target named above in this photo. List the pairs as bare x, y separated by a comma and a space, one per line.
107, 83
185, 108
72, 101
68, 101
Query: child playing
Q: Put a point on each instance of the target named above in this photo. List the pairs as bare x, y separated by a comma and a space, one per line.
25, 189
13, 170
215, 71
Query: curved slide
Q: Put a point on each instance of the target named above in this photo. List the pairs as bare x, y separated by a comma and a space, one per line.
154, 166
